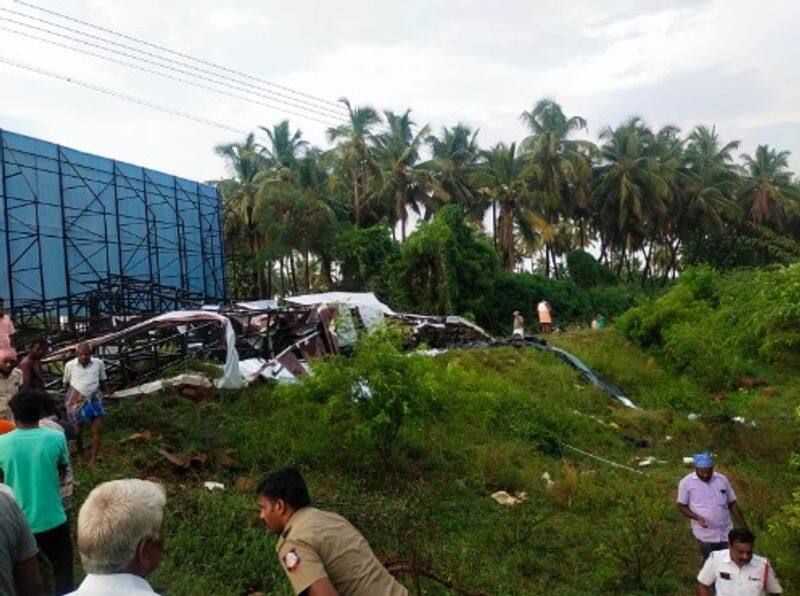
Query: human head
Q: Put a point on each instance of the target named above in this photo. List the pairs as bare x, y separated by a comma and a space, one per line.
120, 527
516, 313
703, 466
37, 348
279, 495
8, 360
741, 544
84, 353
29, 406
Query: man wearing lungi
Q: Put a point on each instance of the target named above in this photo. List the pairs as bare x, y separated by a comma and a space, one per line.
82, 378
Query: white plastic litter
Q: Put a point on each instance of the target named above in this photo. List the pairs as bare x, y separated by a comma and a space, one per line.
503, 498
212, 486
548, 482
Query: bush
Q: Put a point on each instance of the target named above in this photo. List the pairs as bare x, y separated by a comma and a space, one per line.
586, 271
716, 326
370, 396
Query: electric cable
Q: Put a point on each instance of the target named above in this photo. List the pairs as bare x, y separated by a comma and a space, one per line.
157, 64
165, 75
117, 94
174, 52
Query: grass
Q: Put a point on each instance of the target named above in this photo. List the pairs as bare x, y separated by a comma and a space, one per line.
495, 423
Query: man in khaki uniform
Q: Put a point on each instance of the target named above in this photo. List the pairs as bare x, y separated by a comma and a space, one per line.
321, 553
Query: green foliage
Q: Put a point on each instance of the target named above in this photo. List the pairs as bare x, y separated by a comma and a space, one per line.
370, 395
365, 255
586, 271
715, 326
445, 268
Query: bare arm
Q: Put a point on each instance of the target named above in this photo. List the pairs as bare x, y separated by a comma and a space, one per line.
737, 514
28, 579
321, 587
703, 590
692, 515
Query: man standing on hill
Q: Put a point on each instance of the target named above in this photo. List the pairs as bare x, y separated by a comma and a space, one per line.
10, 381
6, 327
321, 553
707, 498
82, 378
545, 315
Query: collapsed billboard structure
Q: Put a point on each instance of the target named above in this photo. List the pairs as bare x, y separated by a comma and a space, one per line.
84, 237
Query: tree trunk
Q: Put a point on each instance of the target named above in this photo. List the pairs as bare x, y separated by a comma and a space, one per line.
308, 274
403, 229
283, 278
356, 200
293, 272
547, 260
494, 224
269, 280
325, 265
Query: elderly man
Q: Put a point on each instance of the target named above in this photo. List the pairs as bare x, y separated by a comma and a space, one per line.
10, 381
737, 571
82, 378
120, 537
707, 498
321, 553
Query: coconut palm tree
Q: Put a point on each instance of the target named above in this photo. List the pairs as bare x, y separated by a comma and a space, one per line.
284, 146
767, 193
454, 160
629, 188
240, 194
563, 165
354, 152
402, 185
503, 178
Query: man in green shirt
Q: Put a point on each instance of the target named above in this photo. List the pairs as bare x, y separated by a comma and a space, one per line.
32, 459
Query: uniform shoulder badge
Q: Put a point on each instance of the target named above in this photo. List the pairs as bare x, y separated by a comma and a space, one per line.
291, 560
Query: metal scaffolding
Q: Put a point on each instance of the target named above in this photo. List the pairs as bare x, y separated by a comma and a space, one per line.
83, 237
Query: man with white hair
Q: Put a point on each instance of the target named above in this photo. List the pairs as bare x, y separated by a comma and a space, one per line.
120, 536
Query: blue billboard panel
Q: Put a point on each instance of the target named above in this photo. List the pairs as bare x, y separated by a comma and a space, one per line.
70, 220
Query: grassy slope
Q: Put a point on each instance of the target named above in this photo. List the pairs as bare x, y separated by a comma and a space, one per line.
498, 412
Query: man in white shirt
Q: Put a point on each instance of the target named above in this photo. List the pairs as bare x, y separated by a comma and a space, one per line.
120, 537
82, 378
736, 571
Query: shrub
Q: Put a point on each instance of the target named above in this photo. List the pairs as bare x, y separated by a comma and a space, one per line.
716, 326
370, 396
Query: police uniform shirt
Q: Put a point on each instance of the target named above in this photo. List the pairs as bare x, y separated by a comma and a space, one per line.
754, 579
317, 544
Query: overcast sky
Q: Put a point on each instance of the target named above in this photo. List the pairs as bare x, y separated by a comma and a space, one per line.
730, 63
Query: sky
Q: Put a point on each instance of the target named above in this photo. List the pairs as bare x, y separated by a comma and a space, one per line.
727, 63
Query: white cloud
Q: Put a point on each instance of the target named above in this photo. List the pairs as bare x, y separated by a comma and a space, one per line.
724, 62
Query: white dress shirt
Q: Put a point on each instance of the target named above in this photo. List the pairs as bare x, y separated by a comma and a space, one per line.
754, 579
116, 584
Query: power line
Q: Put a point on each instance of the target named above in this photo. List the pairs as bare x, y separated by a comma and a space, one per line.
174, 52
336, 113
162, 74
117, 94
159, 65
